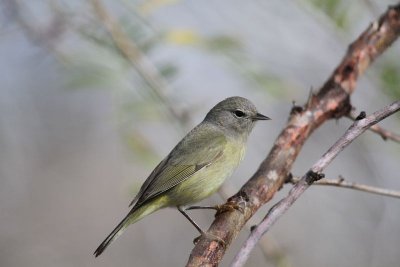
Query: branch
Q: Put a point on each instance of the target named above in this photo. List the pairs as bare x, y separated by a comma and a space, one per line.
332, 101
340, 182
355, 130
385, 134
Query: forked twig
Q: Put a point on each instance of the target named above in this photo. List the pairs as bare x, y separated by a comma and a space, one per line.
341, 182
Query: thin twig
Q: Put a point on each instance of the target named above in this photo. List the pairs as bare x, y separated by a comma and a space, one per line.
355, 130
385, 134
340, 182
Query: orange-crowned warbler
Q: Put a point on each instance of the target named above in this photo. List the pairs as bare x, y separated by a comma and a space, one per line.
197, 166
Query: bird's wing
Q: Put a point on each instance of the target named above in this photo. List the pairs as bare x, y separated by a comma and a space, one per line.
196, 151
146, 183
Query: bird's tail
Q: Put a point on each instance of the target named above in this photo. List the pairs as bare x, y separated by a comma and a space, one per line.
112, 236
133, 216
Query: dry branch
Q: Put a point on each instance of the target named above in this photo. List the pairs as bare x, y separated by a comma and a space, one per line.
342, 183
331, 101
385, 134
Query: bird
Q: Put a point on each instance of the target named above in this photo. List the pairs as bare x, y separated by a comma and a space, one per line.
197, 166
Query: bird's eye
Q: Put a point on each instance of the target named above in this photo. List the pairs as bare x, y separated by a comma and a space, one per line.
238, 113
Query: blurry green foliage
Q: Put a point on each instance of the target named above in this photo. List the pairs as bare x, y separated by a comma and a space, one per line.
247, 68
91, 34
182, 37
223, 43
142, 110
94, 61
336, 10
149, 6
97, 62
89, 75
390, 78
275, 85
138, 143
233, 50
168, 70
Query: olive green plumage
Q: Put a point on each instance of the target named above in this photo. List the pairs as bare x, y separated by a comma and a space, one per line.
198, 165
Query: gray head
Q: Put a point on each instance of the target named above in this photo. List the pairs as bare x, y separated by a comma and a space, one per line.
235, 115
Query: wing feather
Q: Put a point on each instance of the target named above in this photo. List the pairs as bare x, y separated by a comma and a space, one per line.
199, 149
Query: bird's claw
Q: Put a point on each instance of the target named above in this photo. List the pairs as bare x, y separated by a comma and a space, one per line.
232, 204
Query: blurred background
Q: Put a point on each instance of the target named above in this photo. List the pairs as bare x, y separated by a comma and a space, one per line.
95, 93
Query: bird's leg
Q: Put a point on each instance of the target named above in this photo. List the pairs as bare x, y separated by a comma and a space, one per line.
230, 206
208, 235
182, 210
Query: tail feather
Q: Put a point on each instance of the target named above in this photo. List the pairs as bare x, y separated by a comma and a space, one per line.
133, 216
112, 236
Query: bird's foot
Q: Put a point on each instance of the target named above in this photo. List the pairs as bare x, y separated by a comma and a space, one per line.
232, 204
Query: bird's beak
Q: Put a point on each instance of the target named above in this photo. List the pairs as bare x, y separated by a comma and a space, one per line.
260, 117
